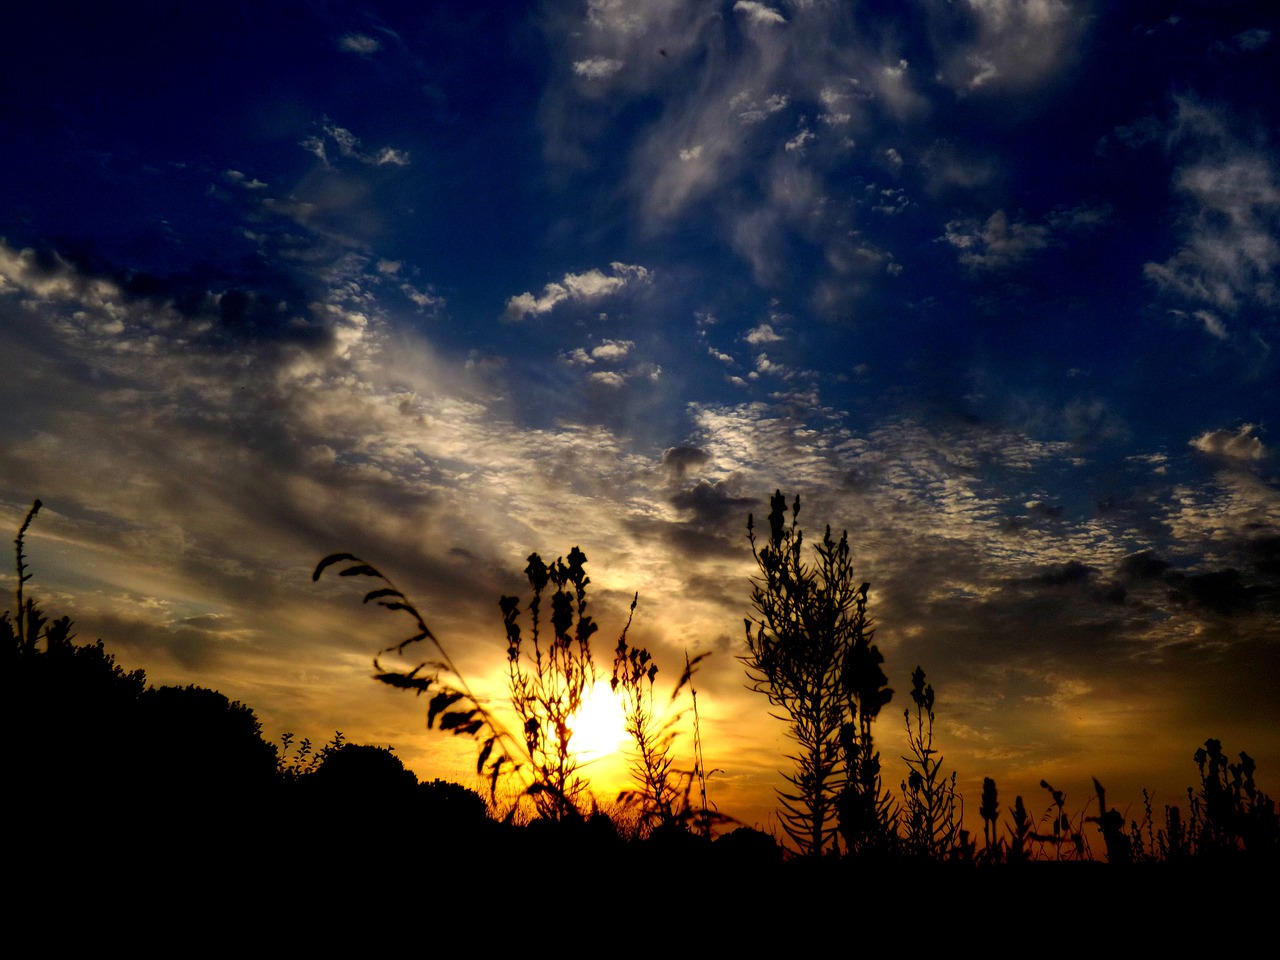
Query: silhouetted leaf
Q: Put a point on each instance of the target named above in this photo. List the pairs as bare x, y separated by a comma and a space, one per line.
439, 703
330, 561
484, 755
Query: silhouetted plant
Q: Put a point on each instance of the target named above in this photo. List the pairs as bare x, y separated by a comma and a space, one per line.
990, 812
452, 705
1111, 824
809, 652
700, 772
1230, 815
549, 677
1063, 832
866, 814
663, 796
306, 760
930, 817
1020, 831
29, 624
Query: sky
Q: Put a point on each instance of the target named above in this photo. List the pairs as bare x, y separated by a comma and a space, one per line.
989, 284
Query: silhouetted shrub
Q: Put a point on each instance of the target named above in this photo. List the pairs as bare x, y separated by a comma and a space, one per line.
809, 651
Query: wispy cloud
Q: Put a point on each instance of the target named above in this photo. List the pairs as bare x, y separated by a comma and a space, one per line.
995, 243
758, 12
348, 146
1231, 249
359, 43
585, 287
1005, 44
597, 68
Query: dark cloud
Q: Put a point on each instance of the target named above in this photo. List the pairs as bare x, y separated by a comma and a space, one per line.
1145, 565
680, 459
1071, 573
713, 504
1220, 591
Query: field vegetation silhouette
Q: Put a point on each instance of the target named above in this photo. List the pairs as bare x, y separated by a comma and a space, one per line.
101, 759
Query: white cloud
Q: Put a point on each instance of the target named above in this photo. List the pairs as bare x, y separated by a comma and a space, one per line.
894, 87
995, 243
1212, 325
348, 145
608, 378
1231, 250
390, 155
359, 43
612, 350
424, 299
764, 333
758, 12
799, 140
597, 68
1239, 444
577, 287
1005, 43
751, 111
235, 176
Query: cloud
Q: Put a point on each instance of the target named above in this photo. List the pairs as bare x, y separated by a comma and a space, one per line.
799, 140
1239, 444
236, 177
422, 299
764, 333
578, 288
997, 243
597, 68
893, 86
359, 43
1251, 40
210, 481
348, 146
1231, 194
758, 12
952, 166
1212, 325
612, 350
609, 378
998, 45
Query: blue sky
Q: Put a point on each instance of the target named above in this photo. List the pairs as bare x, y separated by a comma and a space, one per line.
991, 284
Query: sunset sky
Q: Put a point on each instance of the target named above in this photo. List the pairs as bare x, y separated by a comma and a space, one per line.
991, 284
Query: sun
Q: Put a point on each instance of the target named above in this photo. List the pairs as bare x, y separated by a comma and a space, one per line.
599, 727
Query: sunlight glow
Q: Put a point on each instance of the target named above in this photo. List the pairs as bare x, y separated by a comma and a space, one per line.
599, 729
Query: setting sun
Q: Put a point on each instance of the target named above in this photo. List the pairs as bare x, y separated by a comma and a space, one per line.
599, 729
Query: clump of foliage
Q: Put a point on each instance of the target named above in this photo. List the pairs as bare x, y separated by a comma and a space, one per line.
1063, 830
294, 765
1020, 832
809, 651
1229, 816
663, 791
550, 673
931, 815
551, 676
1111, 824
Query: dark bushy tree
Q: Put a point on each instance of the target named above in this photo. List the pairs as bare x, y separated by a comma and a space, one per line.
809, 651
